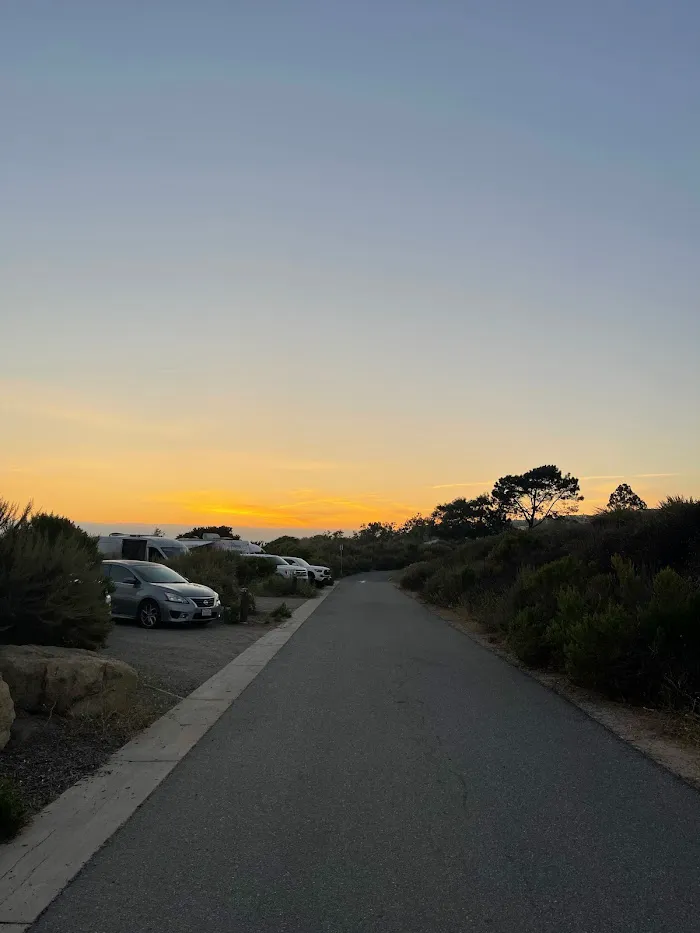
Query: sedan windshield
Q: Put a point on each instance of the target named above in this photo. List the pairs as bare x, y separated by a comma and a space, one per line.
157, 573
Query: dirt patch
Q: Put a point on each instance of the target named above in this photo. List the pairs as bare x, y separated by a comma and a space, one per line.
48, 754
670, 738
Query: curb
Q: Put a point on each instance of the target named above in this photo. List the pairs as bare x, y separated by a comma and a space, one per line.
40, 862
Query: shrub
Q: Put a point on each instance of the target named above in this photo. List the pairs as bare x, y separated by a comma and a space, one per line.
527, 636
51, 589
14, 812
614, 602
670, 623
248, 571
54, 526
281, 612
632, 639
513, 548
276, 585
415, 576
535, 602
446, 585
597, 647
217, 569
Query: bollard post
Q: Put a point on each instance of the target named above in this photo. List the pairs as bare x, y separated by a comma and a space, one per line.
245, 606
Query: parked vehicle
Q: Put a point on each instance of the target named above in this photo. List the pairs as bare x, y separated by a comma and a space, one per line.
141, 547
282, 568
151, 593
317, 573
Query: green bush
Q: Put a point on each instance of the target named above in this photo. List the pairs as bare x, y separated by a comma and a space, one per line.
51, 588
214, 568
281, 612
55, 526
614, 603
14, 812
447, 585
527, 636
415, 576
249, 571
276, 585
598, 649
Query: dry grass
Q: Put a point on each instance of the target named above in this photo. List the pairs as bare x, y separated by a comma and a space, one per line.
120, 726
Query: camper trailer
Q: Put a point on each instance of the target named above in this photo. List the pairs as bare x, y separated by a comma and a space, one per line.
140, 547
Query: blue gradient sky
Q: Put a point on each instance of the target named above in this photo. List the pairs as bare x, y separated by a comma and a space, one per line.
300, 263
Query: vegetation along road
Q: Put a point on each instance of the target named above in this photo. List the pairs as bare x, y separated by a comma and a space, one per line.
386, 773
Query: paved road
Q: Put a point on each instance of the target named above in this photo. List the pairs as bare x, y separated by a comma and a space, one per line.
384, 773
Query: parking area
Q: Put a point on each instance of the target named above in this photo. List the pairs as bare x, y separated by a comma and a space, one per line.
172, 661
50, 753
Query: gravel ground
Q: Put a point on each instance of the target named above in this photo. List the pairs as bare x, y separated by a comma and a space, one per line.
174, 661
46, 755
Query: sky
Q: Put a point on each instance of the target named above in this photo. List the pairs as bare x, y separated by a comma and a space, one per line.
304, 265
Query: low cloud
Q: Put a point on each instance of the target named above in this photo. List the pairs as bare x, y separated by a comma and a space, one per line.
631, 476
480, 482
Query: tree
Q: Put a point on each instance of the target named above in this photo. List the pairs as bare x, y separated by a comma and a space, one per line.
158, 533
417, 527
541, 493
375, 531
469, 518
287, 544
223, 531
624, 497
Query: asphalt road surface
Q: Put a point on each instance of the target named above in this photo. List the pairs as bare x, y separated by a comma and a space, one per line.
384, 773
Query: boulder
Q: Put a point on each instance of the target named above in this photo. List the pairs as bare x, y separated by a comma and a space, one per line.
66, 681
7, 713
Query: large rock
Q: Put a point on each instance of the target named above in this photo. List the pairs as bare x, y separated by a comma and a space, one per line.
66, 681
7, 713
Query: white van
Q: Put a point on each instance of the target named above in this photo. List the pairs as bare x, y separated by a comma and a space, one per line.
140, 547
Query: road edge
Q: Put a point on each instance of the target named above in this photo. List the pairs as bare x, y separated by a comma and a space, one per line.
37, 865
623, 722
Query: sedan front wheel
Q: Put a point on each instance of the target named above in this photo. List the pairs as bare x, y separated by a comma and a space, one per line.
148, 614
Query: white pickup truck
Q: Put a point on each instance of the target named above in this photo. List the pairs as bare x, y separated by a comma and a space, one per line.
282, 568
322, 576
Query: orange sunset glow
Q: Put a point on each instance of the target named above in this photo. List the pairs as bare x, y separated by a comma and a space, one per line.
105, 464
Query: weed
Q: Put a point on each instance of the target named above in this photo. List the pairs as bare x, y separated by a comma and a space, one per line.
14, 812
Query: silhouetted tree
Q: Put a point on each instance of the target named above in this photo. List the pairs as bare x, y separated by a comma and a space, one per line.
543, 492
469, 518
375, 531
417, 527
624, 497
